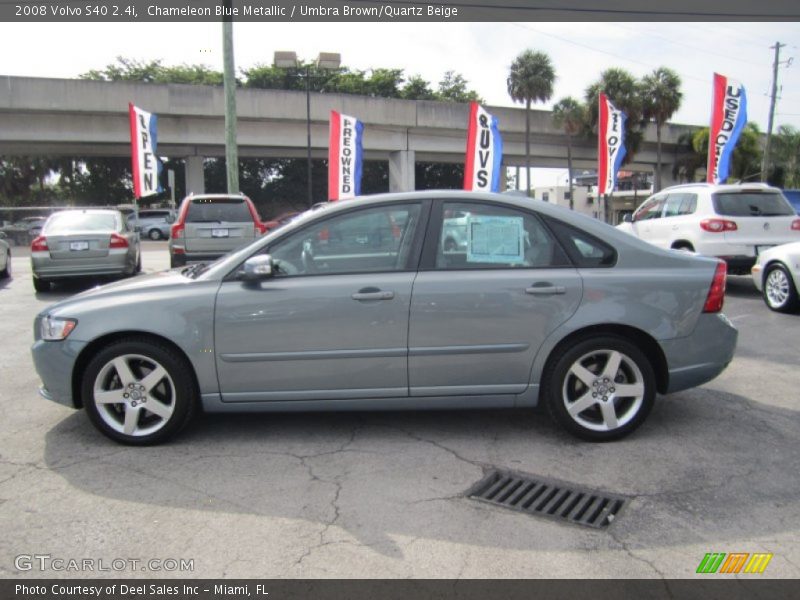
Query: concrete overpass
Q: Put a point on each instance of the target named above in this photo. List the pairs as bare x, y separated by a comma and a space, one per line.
72, 117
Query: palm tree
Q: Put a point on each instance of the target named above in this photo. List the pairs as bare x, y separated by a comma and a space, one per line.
569, 114
530, 79
661, 98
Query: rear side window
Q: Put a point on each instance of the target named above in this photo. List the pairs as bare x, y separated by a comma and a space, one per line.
584, 250
751, 204
680, 204
650, 210
217, 210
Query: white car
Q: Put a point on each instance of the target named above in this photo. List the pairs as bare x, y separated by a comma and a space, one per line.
777, 276
5, 257
732, 222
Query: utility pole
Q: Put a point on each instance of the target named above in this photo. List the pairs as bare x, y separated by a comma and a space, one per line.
774, 95
229, 83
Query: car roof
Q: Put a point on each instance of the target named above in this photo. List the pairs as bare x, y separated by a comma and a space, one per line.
724, 187
214, 196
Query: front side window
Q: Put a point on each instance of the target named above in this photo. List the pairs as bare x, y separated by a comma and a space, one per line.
375, 239
475, 236
650, 210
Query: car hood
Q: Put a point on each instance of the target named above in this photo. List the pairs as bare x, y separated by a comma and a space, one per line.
127, 290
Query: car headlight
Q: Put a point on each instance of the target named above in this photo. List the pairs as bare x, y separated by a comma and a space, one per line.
54, 329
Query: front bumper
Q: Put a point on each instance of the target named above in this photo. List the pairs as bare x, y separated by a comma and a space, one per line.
55, 363
701, 356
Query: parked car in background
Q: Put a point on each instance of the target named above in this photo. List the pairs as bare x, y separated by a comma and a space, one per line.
153, 223
732, 222
357, 306
777, 276
211, 225
82, 243
5, 257
33, 225
793, 196
281, 220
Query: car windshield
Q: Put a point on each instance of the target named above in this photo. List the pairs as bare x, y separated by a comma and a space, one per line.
78, 221
213, 210
751, 204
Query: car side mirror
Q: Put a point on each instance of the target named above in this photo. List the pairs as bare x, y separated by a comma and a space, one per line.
258, 268
627, 218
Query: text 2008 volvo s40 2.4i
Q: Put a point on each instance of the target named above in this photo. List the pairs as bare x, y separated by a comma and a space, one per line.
360, 306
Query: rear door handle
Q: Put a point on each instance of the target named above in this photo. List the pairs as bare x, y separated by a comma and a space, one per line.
545, 290
372, 294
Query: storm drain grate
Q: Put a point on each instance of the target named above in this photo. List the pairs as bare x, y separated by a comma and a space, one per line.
548, 498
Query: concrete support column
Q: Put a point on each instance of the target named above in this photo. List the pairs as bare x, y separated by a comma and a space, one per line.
195, 181
401, 171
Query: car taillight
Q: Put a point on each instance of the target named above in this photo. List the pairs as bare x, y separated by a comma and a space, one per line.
718, 225
39, 244
796, 225
117, 241
177, 231
716, 293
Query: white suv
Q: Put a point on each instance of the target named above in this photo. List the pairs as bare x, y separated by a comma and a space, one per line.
731, 222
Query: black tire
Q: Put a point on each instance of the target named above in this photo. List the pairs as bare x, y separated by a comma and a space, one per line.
683, 246
6, 272
138, 268
175, 261
155, 235
41, 285
599, 395
779, 291
174, 392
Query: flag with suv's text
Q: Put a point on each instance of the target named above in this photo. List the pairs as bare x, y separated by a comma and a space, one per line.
146, 166
484, 151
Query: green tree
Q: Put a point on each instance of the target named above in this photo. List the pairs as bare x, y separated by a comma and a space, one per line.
530, 79
746, 159
416, 88
785, 153
453, 88
570, 115
127, 69
661, 98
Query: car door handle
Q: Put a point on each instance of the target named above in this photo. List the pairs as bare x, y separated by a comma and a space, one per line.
545, 290
372, 294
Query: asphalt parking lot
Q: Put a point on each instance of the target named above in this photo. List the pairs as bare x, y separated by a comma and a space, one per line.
358, 495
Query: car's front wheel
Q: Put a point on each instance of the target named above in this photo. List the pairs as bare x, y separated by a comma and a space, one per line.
138, 392
155, 234
780, 293
600, 389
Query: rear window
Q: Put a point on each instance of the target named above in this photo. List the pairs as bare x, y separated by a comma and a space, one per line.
751, 204
63, 223
214, 210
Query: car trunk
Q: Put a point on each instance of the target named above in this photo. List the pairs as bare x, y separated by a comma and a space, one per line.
79, 244
219, 236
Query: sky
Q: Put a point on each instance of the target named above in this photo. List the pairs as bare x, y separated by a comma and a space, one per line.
481, 52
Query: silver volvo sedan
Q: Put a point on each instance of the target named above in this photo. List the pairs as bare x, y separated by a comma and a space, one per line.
84, 243
360, 306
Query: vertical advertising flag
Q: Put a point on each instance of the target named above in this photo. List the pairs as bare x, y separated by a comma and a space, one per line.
146, 166
345, 157
728, 118
610, 144
484, 151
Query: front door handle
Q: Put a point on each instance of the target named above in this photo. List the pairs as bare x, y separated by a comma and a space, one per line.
546, 289
372, 293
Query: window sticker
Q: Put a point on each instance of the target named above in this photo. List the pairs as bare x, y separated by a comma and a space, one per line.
496, 240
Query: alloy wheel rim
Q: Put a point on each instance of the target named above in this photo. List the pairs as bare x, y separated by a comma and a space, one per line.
777, 288
134, 395
603, 390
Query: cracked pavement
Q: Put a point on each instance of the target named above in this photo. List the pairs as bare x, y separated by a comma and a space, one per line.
364, 495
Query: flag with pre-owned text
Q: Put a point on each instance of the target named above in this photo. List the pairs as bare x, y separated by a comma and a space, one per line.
610, 144
484, 151
728, 118
345, 157
146, 166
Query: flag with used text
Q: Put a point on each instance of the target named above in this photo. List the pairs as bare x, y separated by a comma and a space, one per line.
728, 118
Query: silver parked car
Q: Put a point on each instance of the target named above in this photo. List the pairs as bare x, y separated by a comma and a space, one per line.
358, 306
5, 257
776, 274
153, 223
83, 243
210, 225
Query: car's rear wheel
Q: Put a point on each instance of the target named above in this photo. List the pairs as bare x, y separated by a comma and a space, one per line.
600, 389
41, 285
780, 293
6, 272
138, 392
155, 234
